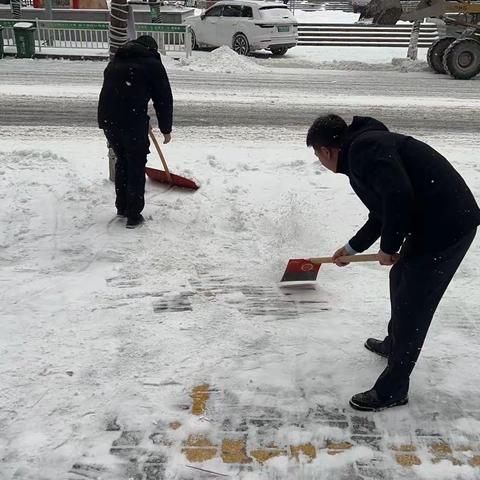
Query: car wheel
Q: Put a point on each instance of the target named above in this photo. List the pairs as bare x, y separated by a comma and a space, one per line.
462, 58
194, 40
240, 44
279, 50
435, 53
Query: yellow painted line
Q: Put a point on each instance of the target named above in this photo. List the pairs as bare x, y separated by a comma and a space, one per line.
475, 461
199, 449
235, 451
306, 449
200, 396
440, 449
404, 448
407, 459
334, 448
262, 455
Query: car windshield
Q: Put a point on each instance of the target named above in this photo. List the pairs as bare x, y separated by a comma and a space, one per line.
215, 11
275, 13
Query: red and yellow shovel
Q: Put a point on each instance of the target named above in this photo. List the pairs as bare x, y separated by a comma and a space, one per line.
306, 270
165, 176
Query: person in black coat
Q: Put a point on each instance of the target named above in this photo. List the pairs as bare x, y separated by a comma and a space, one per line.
426, 217
134, 77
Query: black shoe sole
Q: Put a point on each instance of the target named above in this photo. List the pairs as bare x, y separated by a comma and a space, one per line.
367, 346
131, 227
362, 408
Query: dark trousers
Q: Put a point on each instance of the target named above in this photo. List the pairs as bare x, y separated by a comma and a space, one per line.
131, 149
417, 284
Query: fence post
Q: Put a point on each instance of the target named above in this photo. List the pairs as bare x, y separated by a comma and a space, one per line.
188, 42
39, 35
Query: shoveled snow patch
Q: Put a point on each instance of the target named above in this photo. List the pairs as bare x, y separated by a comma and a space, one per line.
83, 345
223, 60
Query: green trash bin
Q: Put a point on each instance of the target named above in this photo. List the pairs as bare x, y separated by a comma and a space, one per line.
1, 42
24, 39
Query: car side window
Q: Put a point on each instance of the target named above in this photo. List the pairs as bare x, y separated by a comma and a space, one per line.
232, 11
215, 11
247, 12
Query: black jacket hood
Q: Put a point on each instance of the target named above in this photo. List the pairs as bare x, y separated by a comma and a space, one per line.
358, 126
134, 49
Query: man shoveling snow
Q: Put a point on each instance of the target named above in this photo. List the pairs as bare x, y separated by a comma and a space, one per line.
426, 217
134, 76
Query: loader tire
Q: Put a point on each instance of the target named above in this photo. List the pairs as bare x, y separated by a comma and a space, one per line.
462, 58
435, 53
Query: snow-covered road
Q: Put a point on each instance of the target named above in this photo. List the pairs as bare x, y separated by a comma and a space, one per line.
66, 93
141, 354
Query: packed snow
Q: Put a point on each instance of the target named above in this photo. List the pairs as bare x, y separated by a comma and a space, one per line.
223, 60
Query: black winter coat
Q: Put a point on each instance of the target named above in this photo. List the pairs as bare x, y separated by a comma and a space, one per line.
133, 77
412, 192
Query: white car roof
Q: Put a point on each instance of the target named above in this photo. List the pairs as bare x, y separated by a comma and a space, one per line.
258, 3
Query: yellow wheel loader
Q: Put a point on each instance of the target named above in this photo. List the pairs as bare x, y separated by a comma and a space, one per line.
457, 52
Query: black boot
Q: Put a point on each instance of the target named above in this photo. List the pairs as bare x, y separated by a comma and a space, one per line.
133, 222
377, 346
370, 401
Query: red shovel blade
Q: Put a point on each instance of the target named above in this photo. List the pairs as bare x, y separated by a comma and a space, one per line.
300, 270
161, 177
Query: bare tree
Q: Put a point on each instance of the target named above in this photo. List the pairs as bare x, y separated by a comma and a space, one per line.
16, 8
117, 36
413, 44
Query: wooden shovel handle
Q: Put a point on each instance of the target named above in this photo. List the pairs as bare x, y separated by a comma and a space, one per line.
160, 154
368, 257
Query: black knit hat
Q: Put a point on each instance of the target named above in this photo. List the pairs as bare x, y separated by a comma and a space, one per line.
147, 41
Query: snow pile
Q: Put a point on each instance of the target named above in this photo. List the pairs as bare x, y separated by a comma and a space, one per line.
407, 65
396, 64
221, 60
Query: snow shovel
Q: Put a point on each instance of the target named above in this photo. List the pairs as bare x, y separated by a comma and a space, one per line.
165, 176
301, 270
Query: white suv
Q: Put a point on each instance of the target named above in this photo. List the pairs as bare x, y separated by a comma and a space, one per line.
245, 25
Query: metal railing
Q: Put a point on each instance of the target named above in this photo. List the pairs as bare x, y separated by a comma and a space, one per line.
177, 38
8, 37
171, 38
318, 34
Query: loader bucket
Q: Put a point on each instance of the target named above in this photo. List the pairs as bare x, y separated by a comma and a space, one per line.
389, 12
383, 12
428, 8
